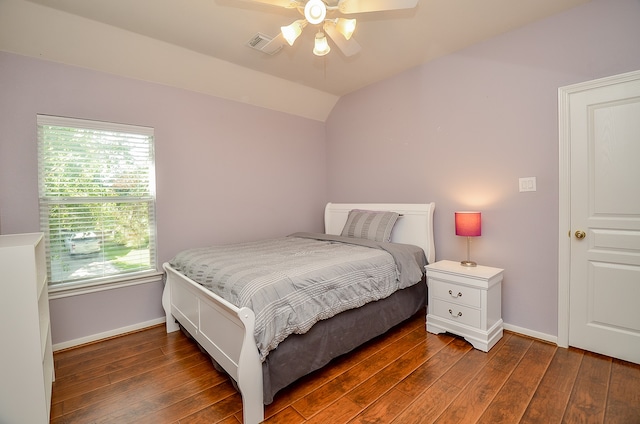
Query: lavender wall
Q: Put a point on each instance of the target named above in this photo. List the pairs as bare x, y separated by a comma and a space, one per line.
225, 171
458, 131
461, 130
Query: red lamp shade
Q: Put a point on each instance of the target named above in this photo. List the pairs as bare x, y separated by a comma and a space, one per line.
468, 224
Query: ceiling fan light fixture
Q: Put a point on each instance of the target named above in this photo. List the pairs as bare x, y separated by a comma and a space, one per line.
293, 31
346, 27
321, 46
315, 11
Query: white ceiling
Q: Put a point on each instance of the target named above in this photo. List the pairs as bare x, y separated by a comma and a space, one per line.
391, 41
200, 45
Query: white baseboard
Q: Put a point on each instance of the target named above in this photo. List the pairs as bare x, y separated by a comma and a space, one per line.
535, 334
107, 334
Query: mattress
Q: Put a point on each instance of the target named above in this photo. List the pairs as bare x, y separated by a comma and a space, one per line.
292, 283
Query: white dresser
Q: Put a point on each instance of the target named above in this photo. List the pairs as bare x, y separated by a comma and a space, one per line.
26, 364
466, 301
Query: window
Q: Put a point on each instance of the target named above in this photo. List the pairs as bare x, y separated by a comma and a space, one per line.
97, 200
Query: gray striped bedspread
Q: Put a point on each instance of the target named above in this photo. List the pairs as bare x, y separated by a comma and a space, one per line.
293, 282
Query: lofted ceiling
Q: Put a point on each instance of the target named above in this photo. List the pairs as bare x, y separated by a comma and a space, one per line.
391, 41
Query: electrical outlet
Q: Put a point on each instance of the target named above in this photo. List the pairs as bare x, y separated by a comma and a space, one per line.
527, 184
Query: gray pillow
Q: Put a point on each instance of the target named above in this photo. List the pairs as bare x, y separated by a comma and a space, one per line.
371, 225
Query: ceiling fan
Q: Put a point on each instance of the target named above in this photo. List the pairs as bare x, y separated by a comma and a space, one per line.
338, 29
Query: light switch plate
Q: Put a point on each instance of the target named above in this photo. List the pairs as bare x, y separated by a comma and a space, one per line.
527, 184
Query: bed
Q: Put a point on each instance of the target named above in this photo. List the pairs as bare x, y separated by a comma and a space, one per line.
227, 332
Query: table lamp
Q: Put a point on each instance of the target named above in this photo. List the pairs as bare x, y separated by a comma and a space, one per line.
468, 224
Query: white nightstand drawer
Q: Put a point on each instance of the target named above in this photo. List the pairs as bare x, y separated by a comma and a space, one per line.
456, 293
456, 313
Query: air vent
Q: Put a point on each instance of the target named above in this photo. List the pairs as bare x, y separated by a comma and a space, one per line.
265, 44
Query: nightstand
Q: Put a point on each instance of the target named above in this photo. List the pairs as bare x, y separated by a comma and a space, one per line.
466, 301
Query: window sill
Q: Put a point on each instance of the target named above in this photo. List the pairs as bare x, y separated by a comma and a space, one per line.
77, 289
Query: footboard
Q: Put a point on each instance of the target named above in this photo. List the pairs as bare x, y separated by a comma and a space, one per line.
223, 330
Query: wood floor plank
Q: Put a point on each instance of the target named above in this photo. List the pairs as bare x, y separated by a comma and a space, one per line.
384, 409
123, 393
330, 392
55, 412
92, 412
547, 406
339, 412
391, 404
61, 391
549, 402
150, 333
140, 365
623, 404
118, 369
587, 402
287, 416
429, 405
430, 371
224, 409
169, 405
379, 383
104, 357
73, 374
510, 353
472, 401
78, 379
469, 405
405, 376
513, 398
563, 369
471, 363
113, 346
175, 405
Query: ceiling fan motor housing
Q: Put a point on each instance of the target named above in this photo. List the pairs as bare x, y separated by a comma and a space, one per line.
315, 11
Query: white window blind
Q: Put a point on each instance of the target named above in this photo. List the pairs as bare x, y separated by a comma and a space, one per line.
97, 199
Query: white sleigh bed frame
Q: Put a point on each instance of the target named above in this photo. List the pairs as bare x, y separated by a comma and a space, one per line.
226, 332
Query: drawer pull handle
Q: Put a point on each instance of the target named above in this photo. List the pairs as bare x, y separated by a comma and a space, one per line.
458, 315
457, 295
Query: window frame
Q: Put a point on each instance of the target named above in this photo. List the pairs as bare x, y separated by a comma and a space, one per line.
112, 281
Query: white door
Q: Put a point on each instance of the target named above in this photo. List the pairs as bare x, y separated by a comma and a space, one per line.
602, 125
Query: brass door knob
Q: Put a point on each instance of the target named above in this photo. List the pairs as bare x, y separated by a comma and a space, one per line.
580, 234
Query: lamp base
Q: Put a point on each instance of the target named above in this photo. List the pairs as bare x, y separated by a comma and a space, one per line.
468, 263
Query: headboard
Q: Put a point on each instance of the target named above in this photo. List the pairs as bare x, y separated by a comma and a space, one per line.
415, 226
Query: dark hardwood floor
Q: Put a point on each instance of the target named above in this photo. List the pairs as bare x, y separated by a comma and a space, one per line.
405, 376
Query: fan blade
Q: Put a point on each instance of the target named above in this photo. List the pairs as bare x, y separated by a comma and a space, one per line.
289, 4
348, 47
362, 6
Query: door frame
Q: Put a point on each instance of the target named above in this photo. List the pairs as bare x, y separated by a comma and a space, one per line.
564, 193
